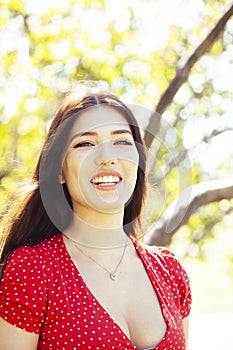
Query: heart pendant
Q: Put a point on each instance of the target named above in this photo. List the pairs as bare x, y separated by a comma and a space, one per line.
113, 276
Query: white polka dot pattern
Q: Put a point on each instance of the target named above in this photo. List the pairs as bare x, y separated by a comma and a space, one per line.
43, 292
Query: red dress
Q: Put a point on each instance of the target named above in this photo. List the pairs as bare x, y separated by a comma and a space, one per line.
42, 292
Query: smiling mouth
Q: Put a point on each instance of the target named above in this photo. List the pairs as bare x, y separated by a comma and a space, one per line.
108, 181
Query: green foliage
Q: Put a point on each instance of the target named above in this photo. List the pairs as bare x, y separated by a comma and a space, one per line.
48, 49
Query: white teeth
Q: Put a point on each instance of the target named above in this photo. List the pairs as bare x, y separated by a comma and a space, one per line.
106, 179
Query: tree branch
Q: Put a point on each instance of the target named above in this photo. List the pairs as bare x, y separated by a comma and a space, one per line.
182, 76
179, 211
175, 162
3, 174
200, 235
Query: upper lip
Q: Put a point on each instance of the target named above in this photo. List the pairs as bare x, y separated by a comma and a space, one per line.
106, 173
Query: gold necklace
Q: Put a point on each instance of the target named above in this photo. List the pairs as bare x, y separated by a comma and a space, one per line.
94, 246
112, 275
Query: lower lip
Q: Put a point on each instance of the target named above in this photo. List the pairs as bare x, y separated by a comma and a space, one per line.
109, 187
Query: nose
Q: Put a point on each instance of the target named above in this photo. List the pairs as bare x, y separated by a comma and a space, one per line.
109, 161
105, 155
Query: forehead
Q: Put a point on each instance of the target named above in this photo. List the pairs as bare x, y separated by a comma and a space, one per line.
99, 118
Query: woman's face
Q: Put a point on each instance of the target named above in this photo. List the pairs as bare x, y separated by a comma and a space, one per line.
100, 166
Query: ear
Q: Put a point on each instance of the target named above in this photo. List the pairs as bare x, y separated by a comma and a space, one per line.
61, 179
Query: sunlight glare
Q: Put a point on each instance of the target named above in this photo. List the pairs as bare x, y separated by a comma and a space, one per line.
39, 8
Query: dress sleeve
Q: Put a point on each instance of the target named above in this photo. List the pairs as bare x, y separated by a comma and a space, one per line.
180, 279
23, 290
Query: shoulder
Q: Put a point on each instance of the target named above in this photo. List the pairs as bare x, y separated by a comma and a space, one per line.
28, 258
157, 253
166, 258
26, 282
164, 261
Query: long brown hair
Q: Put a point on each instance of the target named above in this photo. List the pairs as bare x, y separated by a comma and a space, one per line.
31, 223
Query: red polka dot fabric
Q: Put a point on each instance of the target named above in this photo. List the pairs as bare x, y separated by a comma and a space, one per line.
42, 292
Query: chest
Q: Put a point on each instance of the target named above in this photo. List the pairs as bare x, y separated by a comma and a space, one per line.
130, 301
134, 305
91, 311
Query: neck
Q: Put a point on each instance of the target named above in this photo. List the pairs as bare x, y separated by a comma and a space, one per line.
99, 230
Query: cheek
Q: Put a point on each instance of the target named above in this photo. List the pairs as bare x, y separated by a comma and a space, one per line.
133, 163
70, 168
130, 155
131, 170
133, 173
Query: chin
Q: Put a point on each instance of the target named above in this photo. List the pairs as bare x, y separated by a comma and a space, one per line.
109, 205
111, 202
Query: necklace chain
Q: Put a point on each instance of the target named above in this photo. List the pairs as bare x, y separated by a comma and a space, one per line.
112, 275
96, 247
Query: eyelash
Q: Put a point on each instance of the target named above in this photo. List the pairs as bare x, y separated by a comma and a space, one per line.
89, 144
124, 142
83, 144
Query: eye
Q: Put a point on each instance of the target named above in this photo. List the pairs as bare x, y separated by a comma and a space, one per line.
83, 144
123, 142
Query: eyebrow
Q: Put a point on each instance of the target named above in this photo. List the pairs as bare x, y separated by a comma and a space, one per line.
93, 133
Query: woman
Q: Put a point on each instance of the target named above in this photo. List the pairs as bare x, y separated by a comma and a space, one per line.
77, 276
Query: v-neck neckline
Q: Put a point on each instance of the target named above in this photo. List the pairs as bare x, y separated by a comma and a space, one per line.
148, 269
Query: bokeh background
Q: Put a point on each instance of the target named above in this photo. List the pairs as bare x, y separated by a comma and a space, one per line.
138, 49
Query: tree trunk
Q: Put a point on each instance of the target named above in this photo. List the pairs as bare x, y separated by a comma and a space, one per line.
181, 77
178, 213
